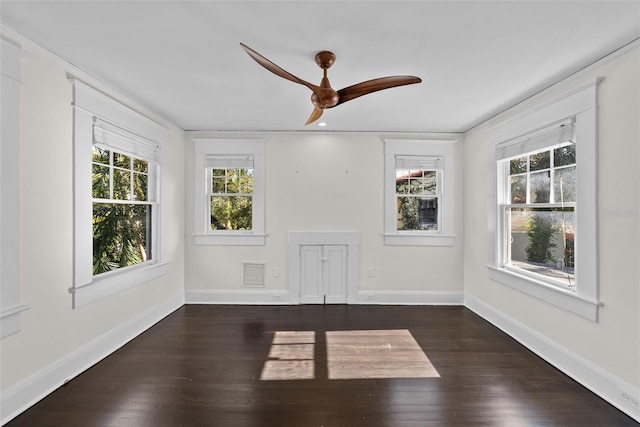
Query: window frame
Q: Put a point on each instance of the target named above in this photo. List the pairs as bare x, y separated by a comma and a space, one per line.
91, 108
11, 307
205, 148
508, 204
120, 141
426, 148
579, 106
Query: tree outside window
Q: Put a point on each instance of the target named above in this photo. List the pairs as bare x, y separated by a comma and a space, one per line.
121, 210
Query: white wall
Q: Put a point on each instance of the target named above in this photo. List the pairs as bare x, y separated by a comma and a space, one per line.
611, 346
53, 335
327, 182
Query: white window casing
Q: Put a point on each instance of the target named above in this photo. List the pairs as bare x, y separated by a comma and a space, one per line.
10, 302
228, 153
426, 154
103, 121
574, 113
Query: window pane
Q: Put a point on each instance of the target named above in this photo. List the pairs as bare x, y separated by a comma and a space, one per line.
540, 187
231, 212
541, 242
218, 184
518, 165
121, 160
121, 236
100, 185
402, 185
564, 184
417, 213
564, 155
140, 186
140, 165
423, 186
245, 184
100, 155
539, 161
121, 184
518, 189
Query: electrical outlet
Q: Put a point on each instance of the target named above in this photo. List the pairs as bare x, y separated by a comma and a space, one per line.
630, 400
371, 297
277, 297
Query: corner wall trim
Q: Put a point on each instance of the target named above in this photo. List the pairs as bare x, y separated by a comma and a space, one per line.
592, 377
27, 393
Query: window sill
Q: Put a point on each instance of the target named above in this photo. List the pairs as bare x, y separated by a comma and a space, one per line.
565, 299
10, 320
118, 281
418, 239
230, 239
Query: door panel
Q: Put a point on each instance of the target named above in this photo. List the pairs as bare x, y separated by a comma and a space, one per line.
335, 274
311, 289
323, 274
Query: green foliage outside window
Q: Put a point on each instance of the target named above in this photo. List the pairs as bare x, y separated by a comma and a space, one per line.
541, 229
232, 199
121, 231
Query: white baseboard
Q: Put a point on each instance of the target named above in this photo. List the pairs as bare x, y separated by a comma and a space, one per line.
410, 297
28, 392
238, 297
592, 377
278, 297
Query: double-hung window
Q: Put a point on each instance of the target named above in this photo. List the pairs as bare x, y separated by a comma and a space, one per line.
229, 192
542, 208
117, 157
419, 192
539, 210
124, 183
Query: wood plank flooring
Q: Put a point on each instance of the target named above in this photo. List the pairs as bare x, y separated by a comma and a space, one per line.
202, 366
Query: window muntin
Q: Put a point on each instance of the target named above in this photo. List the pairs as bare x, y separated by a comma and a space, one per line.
417, 199
122, 214
231, 198
539, 218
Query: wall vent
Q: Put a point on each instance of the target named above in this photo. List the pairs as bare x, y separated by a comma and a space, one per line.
252, 274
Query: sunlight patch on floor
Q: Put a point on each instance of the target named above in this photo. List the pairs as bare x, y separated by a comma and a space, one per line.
291, 356
360, 354
376, 354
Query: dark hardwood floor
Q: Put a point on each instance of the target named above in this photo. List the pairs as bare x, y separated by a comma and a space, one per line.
202, 366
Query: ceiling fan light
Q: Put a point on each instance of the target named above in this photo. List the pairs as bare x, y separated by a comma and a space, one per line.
322, 124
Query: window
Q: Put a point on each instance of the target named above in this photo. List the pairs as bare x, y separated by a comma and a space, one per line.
540, 207
124, 200
229, 192
543, 216
117, 195
419, 192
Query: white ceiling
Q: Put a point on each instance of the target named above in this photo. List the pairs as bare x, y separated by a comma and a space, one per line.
182, 59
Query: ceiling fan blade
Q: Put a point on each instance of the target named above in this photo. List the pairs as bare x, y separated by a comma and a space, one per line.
275, 69
315, 115
364, 88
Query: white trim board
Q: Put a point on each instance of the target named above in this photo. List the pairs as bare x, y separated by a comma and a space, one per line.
410, 297
23, 395
589, 375
237, 297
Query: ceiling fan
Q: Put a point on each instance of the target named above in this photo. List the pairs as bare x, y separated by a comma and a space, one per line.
324, 96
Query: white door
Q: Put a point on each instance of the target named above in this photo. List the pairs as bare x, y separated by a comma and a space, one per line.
323, 274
